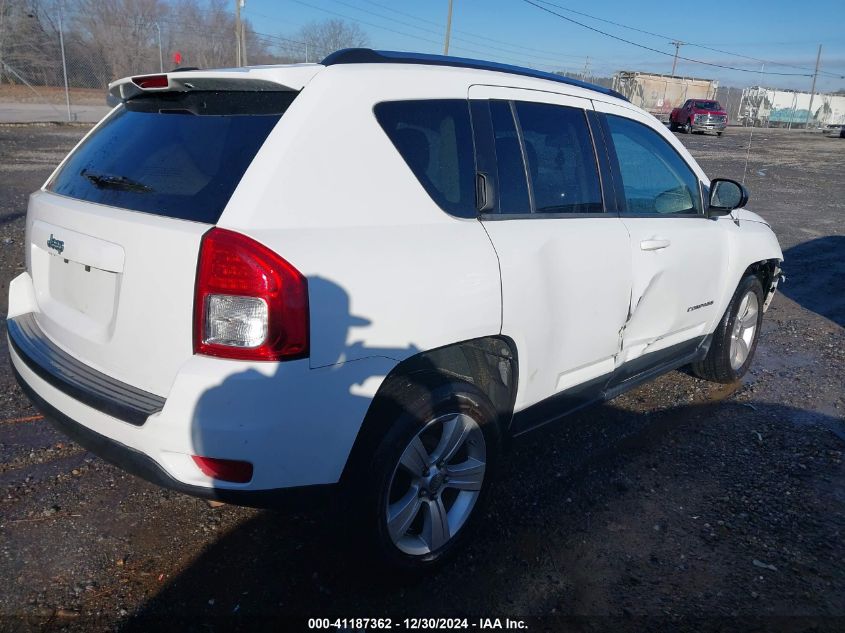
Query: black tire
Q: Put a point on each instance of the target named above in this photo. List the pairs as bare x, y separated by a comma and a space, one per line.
719, 133
688, 127
409, 411
716, 366
673, 127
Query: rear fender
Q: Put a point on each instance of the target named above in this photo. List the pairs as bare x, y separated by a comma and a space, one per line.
489, 363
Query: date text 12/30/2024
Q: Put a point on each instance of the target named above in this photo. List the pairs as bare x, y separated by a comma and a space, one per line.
417, 624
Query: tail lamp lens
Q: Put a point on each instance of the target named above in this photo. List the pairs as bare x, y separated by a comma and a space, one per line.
224, 469
235, 321
250, 304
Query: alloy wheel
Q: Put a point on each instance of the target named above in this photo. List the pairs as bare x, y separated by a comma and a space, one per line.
436, 484
744, 330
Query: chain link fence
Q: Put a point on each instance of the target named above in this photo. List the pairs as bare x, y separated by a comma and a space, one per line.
71, 90
50, 73
56, 63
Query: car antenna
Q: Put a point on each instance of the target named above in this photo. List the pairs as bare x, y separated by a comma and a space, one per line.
751, 136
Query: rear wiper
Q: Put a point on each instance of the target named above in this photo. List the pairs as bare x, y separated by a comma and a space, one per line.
108, 181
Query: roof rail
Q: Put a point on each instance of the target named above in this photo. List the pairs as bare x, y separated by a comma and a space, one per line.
370, 56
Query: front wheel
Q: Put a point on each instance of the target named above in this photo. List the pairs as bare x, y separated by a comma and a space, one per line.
688, 127
735, 338
430, 476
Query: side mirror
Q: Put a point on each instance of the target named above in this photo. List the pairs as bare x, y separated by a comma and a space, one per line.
725, 196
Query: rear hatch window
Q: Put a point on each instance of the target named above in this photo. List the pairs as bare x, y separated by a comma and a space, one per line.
175, 154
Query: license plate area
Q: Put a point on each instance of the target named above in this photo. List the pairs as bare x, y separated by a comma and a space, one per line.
87, 290
76, 279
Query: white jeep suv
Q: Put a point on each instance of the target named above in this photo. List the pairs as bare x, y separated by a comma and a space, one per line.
366, 274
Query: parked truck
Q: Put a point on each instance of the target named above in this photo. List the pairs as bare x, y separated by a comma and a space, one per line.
699, 115
659, 94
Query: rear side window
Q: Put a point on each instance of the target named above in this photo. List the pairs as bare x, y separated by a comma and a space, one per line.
513, 188
434, 137
655, 178
561, 161
179, 155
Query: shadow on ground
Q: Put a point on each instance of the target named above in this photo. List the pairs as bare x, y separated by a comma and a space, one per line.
815, 273
580, 507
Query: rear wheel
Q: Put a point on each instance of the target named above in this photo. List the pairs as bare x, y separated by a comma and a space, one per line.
430, 476
673, 126
735, 339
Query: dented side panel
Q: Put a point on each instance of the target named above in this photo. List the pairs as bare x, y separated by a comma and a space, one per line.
677, 288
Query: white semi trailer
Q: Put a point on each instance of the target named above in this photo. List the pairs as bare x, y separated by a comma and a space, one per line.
659, 94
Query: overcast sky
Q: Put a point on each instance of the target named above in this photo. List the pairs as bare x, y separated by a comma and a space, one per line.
516, 32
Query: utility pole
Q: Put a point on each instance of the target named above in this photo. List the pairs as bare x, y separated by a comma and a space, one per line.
237, 32
794, 106
586, 69
160, 58
677, 46
813, 89
243, 42
64, 61
448, 30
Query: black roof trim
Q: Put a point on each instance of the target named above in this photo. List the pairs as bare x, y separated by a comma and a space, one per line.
370, 56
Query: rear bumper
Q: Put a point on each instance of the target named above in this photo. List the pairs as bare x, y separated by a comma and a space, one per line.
295, 425
86, 384
142, 465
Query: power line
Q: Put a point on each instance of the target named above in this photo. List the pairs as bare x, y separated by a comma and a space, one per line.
709, 48
436, 43
655, 50
178, 26
554, 54
555, 58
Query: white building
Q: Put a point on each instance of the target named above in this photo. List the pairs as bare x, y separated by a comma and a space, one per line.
785, 108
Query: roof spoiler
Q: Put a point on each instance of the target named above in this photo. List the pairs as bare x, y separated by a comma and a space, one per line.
259, 79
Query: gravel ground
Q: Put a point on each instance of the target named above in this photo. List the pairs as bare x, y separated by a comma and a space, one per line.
681, 505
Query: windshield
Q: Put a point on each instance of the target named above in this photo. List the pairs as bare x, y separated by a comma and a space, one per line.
708, 105
178, 155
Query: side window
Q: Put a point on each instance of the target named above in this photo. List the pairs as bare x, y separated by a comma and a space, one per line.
513, 187
654, 176
435, 139
561, 160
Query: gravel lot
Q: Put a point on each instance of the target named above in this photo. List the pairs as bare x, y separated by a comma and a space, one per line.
682, 505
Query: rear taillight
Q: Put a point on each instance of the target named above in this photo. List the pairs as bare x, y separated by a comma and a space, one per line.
250, 304
224, 469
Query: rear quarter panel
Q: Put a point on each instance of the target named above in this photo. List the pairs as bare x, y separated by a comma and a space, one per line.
389, 272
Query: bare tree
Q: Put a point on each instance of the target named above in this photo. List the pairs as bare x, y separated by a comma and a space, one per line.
27, 46
203, 32
108, 39
328, 36
121, 34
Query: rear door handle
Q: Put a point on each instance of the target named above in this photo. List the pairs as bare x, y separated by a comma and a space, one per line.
654, 244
